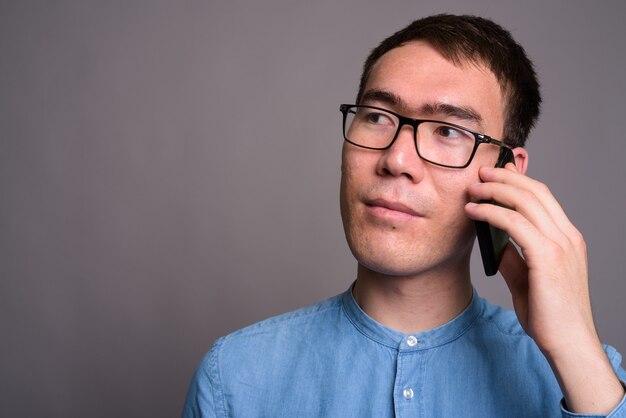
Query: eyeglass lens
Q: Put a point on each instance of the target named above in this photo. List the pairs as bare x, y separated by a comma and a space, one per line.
438, 142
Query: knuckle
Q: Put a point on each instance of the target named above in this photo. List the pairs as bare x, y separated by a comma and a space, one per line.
544, 189
515, 218
578, 240
554, 251
529, 196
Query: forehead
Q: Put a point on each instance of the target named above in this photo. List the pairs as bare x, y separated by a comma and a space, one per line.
419, 75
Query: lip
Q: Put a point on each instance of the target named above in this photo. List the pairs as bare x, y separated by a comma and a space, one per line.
383, 207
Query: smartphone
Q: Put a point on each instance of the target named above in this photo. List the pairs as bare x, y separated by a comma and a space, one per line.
492, 240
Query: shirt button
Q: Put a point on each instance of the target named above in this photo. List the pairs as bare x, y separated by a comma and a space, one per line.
411, 341
407, 393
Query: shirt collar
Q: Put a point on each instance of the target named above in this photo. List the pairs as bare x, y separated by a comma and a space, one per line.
443, 334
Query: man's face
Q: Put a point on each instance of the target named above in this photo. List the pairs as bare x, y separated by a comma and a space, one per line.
401, 215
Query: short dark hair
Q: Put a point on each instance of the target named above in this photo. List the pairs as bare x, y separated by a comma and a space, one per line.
478, 40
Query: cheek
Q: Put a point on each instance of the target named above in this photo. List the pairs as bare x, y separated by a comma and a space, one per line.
452, 192
486, 155
452, 187
349, 185
356, 173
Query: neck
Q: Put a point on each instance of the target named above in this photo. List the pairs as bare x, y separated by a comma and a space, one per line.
413, 304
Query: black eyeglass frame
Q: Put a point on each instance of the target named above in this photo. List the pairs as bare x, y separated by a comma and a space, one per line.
404, 120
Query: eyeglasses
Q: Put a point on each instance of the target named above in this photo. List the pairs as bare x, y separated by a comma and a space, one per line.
440, 143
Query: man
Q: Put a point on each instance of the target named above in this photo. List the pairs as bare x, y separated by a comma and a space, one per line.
412, 337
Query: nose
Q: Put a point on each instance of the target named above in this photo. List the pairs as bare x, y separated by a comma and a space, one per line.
401, 159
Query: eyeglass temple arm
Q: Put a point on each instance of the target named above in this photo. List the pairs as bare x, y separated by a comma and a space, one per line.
489, 140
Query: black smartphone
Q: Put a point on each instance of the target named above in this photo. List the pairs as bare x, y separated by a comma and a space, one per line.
492, 240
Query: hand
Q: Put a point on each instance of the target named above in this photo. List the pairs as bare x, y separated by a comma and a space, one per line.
549, 284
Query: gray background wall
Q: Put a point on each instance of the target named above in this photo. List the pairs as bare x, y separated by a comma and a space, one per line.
169, 173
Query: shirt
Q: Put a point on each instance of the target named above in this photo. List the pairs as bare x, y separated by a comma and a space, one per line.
333, 360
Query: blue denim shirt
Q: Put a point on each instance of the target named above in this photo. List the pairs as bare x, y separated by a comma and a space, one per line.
333, 360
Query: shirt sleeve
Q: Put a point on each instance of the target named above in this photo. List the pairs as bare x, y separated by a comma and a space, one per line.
204, 397
620, 410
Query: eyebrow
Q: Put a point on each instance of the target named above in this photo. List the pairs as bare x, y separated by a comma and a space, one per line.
465, 113
386, 97
461, 112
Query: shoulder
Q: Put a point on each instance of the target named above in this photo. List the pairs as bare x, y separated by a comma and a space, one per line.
296, 321
278, 337
502, 320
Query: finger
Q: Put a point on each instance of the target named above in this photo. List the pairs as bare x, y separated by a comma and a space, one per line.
511, 167
540, 190
522, 201
520, 229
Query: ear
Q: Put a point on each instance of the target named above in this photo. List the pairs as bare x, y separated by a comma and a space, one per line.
521, 159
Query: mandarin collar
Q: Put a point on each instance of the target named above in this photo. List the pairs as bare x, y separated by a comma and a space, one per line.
384, 335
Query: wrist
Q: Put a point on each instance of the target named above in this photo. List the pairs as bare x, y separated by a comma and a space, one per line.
587, 379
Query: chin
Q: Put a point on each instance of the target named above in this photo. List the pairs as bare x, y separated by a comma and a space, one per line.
397, 257
393, 270
389, 256
415, 266
399, 266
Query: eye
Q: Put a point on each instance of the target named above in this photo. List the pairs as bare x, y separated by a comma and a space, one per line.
375, 117
448, 132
